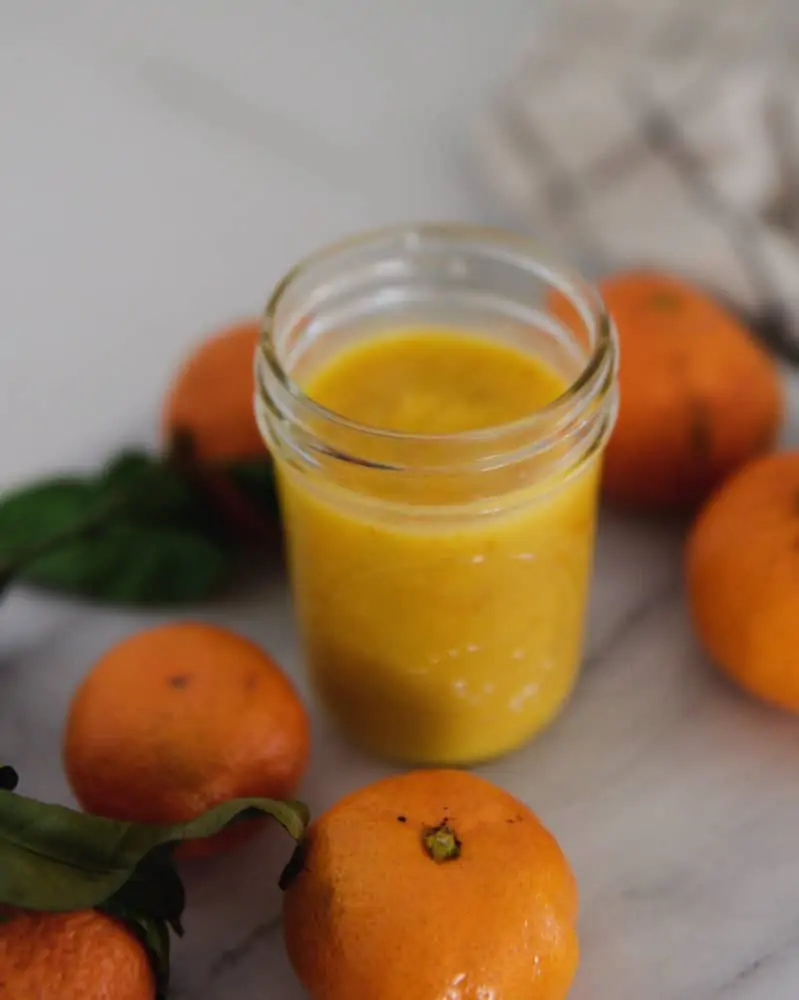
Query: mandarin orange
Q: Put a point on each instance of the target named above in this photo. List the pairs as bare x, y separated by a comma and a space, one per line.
72, 956
742, 577
699, 397
178, 718
428, 885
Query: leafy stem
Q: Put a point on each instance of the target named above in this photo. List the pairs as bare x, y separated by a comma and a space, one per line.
13, 566
56, 860
144, 530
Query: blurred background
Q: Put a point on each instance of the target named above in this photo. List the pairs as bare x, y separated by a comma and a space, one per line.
163, 163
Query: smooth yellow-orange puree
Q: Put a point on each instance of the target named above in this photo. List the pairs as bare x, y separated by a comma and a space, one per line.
445, 639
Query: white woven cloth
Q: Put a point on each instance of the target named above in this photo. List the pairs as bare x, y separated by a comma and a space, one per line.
663, 133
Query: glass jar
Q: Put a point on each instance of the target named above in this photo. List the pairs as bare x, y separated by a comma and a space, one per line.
440, 580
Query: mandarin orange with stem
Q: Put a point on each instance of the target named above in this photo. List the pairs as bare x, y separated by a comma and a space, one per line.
429, 885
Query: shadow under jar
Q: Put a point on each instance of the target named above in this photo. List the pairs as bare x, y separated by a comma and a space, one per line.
437, 399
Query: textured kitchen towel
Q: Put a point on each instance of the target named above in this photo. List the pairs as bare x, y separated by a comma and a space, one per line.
663, 133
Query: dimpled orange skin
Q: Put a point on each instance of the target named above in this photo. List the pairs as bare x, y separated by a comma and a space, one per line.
742, 574
699, 397
178, 718
72, 956
372, 915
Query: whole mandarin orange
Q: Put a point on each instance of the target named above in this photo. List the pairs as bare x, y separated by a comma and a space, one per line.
742, 577
429, 885
698, 396
178, 718
72, 956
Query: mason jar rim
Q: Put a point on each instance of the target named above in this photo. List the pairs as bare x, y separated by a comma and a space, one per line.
519, 247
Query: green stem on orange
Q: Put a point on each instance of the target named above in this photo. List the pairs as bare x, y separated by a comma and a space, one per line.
441, 843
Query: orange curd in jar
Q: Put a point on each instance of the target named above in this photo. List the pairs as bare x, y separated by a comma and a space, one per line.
437, 434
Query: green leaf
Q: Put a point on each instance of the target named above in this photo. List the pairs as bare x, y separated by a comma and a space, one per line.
127, 466
155, 490
45, 512
154, 887
57, 859
138, 533
292, 815
255, 479
296, 864
136, 564
40, 519
9, 779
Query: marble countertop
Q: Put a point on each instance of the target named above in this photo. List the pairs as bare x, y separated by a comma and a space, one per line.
161, 166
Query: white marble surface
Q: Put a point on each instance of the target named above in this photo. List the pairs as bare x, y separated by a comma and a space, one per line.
160, 164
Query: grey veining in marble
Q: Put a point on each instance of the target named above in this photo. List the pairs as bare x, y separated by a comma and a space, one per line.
159, 169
